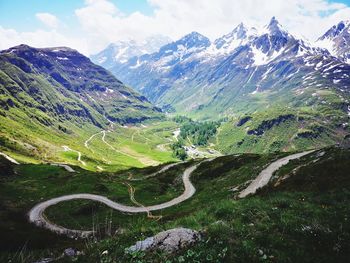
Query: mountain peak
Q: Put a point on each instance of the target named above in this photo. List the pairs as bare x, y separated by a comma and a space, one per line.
336, 30
123, 50
240, 31
275, 28
238, 36
194, 35
23, 48
273, 21
194, 39
337, 41
240, 27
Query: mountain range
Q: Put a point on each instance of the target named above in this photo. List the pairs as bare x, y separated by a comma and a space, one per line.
232, 150
194, 74
120, 52
262, 82
266, 80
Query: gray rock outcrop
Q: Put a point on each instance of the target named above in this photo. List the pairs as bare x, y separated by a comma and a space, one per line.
168, 241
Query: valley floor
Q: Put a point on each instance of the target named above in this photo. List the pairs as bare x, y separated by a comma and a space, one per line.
116, 148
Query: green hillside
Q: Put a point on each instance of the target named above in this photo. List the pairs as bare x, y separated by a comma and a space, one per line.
56, 97
303, 209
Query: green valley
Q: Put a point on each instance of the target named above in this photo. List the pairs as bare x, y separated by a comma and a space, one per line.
156, 149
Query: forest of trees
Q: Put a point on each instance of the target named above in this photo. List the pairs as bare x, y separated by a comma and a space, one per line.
178, 150
199, 133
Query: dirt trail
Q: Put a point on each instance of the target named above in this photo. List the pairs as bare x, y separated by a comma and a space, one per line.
145, 160
132, 198
66, 149
86, 143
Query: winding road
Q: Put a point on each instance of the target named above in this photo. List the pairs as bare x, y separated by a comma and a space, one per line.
266, 174
36, 214
9, 158
66, 149
125, 150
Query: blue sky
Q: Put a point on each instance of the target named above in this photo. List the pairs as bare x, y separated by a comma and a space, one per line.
12, 10
90, 25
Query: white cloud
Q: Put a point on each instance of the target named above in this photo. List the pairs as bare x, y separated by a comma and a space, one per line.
40, 38
175, 18
48, 19
101, 22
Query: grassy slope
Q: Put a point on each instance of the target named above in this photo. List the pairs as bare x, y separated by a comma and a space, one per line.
318, 122
47, 102
31, 143
307, 213
321, 119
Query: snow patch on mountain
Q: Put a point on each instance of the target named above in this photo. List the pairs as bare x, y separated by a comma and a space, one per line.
122, 51
337, 41
261, 58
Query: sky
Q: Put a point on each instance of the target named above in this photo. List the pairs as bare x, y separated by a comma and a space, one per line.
90, 25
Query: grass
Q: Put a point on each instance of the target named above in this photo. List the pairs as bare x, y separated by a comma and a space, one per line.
306, 213
325, 130
136, 146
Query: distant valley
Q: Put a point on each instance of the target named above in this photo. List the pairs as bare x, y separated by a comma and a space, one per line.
267, 76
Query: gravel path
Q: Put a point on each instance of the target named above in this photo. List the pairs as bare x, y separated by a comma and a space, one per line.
36, 214
266, 174
9, 158
66, 149
65, 166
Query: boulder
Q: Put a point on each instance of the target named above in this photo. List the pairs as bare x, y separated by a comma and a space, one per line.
45, 260
168, 241
70, 252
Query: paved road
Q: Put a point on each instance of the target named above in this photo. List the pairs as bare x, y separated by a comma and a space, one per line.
266, 174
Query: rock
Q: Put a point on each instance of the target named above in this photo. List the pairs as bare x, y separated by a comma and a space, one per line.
70, 252
45, 260
143, 245
168, 241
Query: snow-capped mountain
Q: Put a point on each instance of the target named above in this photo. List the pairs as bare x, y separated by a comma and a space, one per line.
175, 52
337, 41
159, 69
194, 74
120, 52
229, 42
